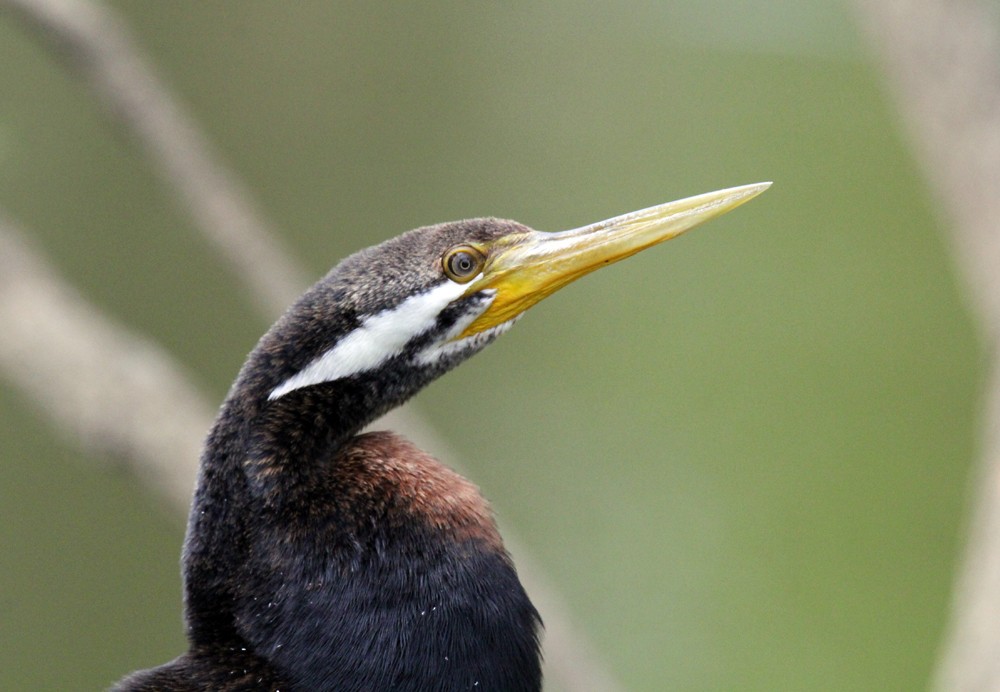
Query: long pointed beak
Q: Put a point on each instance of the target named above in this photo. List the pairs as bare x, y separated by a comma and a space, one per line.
524, 268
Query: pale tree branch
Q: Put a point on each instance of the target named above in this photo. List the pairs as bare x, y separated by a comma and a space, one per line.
129, 400
95, 44
942, 63
114, 393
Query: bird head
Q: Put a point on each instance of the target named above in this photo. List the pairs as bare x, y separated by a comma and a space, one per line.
428, 299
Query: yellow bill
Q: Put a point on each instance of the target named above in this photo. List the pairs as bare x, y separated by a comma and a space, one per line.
524, 268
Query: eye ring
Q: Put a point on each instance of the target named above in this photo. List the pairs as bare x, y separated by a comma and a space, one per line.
462, 263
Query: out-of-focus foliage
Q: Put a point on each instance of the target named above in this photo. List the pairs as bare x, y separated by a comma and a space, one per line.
741, 456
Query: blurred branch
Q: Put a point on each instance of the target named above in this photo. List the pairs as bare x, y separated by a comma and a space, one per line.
116, 394
942, 61
121, 395
96, 45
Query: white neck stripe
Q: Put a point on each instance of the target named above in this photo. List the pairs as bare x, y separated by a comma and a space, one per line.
378, 338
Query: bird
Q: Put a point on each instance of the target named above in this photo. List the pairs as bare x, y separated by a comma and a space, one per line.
321, 557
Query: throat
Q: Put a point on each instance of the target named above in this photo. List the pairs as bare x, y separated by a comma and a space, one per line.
291, 439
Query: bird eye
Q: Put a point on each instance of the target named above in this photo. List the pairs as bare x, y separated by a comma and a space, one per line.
462, 263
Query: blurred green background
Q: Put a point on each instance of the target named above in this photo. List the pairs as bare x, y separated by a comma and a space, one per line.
742, 457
